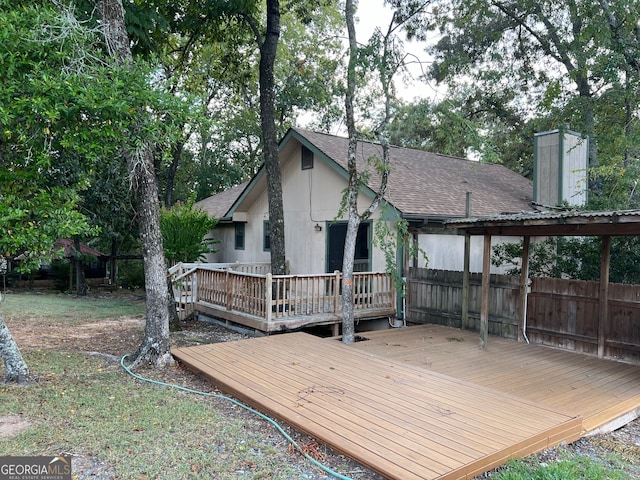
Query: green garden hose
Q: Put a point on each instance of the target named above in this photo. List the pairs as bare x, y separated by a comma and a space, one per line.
246, 407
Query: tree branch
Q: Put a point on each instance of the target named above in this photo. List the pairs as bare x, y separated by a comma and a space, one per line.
253, 25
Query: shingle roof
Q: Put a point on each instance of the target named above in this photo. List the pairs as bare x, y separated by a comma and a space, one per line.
219, 204
420, 183
423, 183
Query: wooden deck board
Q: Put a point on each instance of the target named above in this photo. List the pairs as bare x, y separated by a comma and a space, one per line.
402, 421
362, 441
596, 389
368, 390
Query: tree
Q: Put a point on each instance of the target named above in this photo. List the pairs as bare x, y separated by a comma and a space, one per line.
348, 332
51, 133
384, 56
563, 59
267, 38
208, 50
209, 47
268, 46
155, 345
573, 257
108, 204
183, 230
305, 78
469, 123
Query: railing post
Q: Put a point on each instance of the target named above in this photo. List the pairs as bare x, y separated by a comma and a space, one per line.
229, 302
194, 287
524, 280
394, 294
336, 290
268, 296
486, 282
603, 304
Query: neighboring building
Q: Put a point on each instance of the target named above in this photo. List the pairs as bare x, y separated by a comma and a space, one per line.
423, 188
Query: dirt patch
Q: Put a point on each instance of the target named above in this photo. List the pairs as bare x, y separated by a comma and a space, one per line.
112, 337
199, 333
11, 425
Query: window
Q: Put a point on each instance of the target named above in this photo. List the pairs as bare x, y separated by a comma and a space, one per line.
239, 236
307, 158
266, 238
337, 232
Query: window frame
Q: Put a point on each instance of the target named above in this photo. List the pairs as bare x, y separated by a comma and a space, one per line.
266, 236
306, 158
239, 233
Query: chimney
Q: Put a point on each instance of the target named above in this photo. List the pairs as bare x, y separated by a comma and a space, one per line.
560, 168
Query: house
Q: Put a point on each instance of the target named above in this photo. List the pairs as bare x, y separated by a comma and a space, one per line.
423, 188
53, 273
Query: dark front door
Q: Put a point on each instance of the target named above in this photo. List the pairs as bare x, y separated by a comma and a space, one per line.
337, 234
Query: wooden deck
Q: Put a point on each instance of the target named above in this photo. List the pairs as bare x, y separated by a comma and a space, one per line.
290, 322
605, 393
398, 415
277, 303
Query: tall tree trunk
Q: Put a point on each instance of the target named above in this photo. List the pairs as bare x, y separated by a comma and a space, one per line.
268, 49
17, 370
155, 345
348, 329
113, 261
174, 318
348, 322
176, 153
355, 218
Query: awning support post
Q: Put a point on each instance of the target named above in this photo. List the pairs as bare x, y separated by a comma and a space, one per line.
486, 280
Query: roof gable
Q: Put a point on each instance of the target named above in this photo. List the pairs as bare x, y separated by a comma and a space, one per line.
428, 184
420, 183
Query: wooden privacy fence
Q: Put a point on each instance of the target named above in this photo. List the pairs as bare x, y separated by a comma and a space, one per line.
435, 296
565, 314
560, 312
277, 297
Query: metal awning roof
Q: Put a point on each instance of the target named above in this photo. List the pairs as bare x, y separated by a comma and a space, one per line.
557, 223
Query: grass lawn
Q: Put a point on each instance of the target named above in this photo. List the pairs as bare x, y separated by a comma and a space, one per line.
66, 310
88, 406
85, 405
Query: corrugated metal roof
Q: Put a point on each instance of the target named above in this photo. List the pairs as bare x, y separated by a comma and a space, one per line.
546, 215
552, 223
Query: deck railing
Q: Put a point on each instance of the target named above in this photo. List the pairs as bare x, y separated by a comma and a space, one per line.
278, 296
184, 289
246, 267
294, 295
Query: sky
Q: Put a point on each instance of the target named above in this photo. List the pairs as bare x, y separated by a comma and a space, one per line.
372, 13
